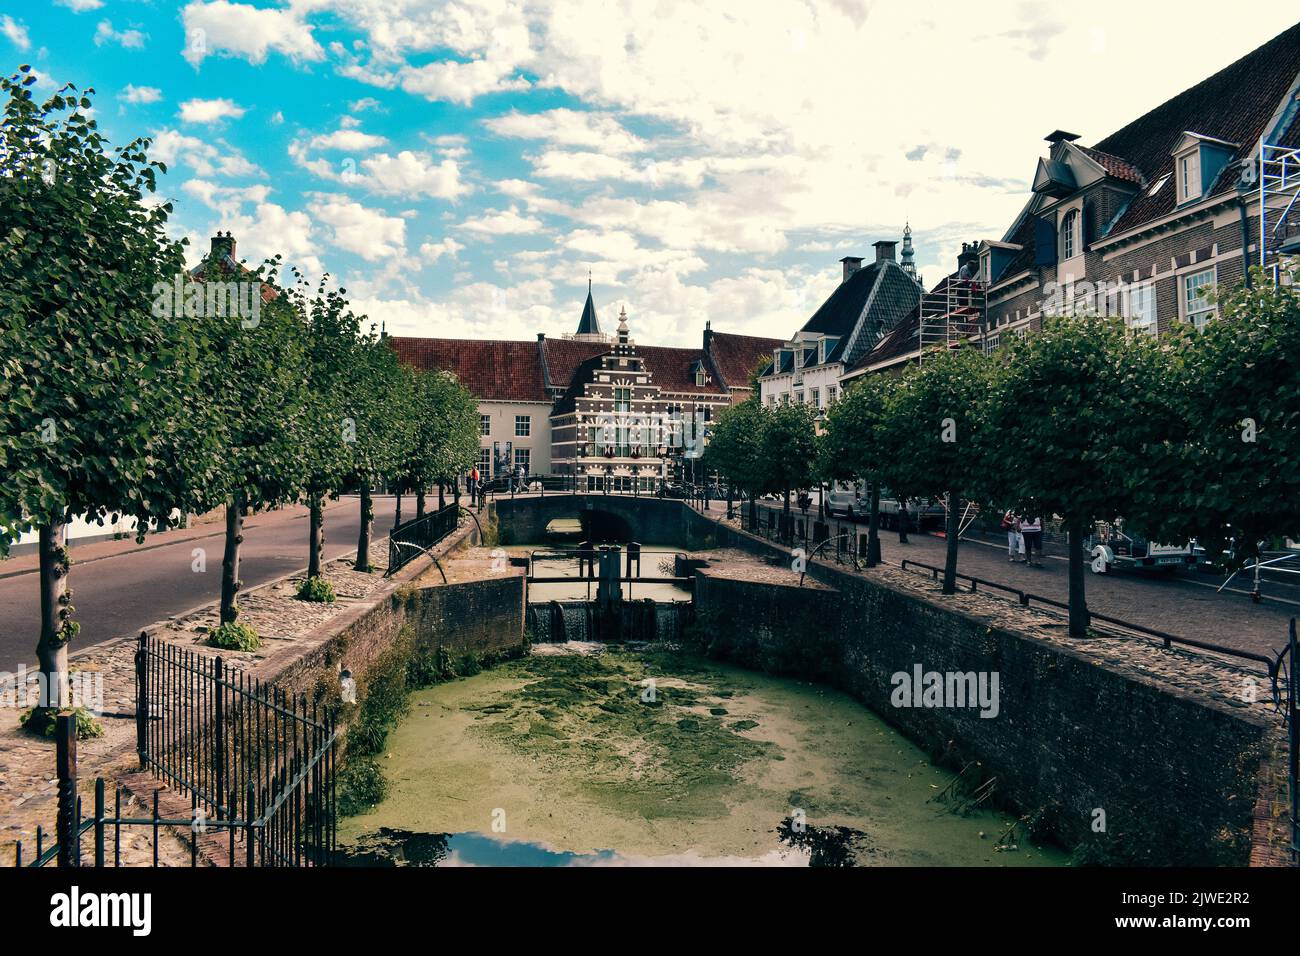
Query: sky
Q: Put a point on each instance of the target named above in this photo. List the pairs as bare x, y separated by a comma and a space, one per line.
461, 167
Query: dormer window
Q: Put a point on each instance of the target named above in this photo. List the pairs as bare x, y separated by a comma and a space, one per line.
1189, 176
1070, 235
699, 377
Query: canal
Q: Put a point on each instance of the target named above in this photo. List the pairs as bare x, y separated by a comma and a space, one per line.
646, 755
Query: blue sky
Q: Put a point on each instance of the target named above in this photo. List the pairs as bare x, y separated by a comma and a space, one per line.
460, 167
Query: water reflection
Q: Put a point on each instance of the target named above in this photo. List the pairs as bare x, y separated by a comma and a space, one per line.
796, 845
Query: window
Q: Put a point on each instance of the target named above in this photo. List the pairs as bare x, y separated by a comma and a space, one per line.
622, 399
1197, 307
1189, 176
700, 376
485, 424
832, 393
522, 459
484, 462
798, 398
523, 426
1141, 308
817, 397
1069, 234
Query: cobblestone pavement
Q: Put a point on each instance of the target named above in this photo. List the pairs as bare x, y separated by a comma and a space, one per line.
27, 782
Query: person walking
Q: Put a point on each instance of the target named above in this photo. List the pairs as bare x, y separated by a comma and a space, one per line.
1031, 529
473, 481
1015, 539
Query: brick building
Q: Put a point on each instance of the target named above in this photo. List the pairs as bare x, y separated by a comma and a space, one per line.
600, 407
1141, 224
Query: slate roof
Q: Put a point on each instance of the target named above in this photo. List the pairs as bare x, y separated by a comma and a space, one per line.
1234, 104
839, 313
563, 356
493, 370
588, 324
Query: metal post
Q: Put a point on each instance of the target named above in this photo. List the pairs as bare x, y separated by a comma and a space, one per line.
142, 699
219, 734
99, 823
65, 737
1294, 719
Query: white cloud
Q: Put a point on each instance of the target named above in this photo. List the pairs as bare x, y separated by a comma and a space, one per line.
210, 111
564, 127
563, 164
131, 39
368, 233
413, 174
363, 104
207, 158
15, 31
458, 82
351, 140
433, 251
140, 94
81, 6
248, 32
502, 223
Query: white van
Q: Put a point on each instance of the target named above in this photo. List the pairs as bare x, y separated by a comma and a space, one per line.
847, 498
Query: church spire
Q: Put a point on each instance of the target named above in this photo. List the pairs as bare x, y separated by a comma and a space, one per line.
908, 256
589, 324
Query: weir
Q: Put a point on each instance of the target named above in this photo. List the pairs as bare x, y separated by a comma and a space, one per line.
606, 593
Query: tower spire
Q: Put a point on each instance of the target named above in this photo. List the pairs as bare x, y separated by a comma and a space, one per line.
908, 256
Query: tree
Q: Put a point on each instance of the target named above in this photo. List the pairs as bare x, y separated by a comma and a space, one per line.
255, 372
446, 438
735, 451
934, 432
329, 436
1231, 479
856, 446
93, 383
790, 449
380, 405
1076, 415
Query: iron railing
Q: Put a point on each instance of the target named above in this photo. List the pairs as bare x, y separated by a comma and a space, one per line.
245, 750
408, 541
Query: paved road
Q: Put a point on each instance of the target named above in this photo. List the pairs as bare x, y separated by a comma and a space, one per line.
1185, 604
120, 588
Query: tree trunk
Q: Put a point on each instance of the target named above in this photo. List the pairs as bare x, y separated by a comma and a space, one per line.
363, 537
873, 528
787, 531
316, 535
455, 493
419, 504
1079, 616
950, 561
442, 495
904, 519
397, 512
753, 513
821, 500
52, 648
230, 560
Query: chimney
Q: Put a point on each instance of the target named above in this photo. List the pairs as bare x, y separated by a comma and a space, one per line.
969, 257
708, 334
223, 245
884, 249
541, 336
851, 265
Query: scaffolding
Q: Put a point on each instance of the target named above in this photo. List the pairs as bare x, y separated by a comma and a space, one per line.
952, 316
1279, 210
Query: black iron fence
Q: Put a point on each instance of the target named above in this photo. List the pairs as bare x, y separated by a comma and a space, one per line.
408, 541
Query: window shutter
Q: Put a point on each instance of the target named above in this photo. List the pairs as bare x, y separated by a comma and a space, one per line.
1044, 242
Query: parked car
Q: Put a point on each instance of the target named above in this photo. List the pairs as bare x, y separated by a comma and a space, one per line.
923, 514
1112, 546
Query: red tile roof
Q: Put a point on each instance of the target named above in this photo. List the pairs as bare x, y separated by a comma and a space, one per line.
563, 356
492, 370
1115, 166
734, 356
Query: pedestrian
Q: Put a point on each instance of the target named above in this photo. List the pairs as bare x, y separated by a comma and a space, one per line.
1031, 529
473, 481
1015, 539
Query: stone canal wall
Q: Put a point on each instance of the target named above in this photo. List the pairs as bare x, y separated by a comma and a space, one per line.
1123, 750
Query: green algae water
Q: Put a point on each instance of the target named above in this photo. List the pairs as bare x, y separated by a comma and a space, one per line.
645, 756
